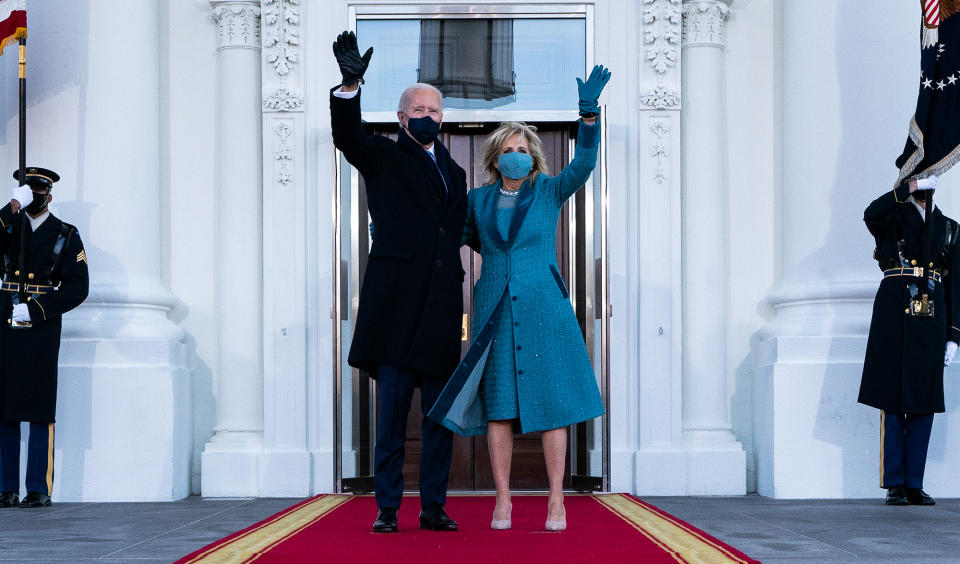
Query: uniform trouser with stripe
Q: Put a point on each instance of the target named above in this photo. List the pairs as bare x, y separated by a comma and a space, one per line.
903, 448
39, 457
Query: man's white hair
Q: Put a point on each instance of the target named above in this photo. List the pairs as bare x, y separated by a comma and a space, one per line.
405, 97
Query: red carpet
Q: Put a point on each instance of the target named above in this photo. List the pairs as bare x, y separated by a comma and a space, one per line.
603, 528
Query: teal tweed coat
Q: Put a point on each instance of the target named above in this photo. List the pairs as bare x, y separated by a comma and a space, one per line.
556, 385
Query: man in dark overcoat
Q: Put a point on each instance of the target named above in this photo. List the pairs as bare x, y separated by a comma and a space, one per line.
55, 279
407, 332
910, 340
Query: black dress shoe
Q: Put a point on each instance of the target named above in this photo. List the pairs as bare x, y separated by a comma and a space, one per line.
35, 499
916, 496
386, 520
897, 496
9, 499
435, 518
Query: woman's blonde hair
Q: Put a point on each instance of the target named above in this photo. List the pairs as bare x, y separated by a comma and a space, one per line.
491, 148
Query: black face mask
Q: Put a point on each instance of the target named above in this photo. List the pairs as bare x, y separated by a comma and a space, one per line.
38, 203
423, 129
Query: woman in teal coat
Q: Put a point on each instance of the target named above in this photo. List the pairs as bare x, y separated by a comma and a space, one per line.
528, 365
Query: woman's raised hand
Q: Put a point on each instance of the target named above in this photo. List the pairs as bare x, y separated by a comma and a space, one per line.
590, 91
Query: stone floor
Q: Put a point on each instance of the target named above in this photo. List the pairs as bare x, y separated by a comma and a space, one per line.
769, 530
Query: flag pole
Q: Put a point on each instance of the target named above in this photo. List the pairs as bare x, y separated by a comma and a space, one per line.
21, 290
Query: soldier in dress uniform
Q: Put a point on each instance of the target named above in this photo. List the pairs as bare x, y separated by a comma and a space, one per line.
55, 279
913, 334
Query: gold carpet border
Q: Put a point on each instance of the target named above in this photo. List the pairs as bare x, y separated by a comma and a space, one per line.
254, 543
683, 543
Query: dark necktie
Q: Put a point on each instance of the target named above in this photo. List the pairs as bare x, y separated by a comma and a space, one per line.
434, 159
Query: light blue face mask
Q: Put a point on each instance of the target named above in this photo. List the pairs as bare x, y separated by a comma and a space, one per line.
515, 165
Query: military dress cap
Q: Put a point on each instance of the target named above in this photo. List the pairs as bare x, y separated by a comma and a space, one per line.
39, 178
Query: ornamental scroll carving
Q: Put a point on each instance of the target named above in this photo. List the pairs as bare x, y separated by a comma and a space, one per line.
659, 150
661, 36
661, 98
283, 100
238, 25
281, 34
704, 23
283, 152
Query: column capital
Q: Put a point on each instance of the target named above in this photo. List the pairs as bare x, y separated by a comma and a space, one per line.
704, 22
238, 23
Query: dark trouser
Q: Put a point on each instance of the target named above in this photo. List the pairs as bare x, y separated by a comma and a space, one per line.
394, 393
39, 457
903, 448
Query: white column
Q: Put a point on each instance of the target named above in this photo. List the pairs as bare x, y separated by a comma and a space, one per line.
646, 274
812, 438
286, 466
230, 462
716, 462
123, 417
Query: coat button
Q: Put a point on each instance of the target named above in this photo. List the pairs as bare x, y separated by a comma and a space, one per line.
436, 199
30, 276
17, 273
516, 324
931, 265
519, 372
519, 347
907, 311
913, 262
439, 263
443, 231
514, 298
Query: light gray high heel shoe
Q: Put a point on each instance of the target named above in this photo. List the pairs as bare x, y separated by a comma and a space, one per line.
501, 524
555, 525
559, 525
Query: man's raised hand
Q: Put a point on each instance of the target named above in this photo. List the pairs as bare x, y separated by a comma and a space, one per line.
352, 65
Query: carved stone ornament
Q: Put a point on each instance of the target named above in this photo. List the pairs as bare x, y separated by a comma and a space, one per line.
659, 150
283, 152
238, 25
661, 98
283, 100
704, 23
661, 35
281, 34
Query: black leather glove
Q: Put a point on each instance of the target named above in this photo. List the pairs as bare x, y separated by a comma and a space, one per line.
352, 65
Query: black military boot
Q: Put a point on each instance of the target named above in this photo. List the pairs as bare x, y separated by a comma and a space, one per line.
9, 499
34, 499
916, 496
897, 496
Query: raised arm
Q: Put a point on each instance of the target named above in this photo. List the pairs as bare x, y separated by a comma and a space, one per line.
572, 177
348, 133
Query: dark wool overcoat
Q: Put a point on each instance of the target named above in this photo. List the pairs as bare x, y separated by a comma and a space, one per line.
28, 357
903, 368
411, 299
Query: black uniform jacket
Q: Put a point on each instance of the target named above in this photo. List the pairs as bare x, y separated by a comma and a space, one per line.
28, 357
903, 368
411, 298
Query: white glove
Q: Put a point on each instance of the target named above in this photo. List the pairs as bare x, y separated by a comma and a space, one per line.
21, 314
948, 354
23, 195
928, 183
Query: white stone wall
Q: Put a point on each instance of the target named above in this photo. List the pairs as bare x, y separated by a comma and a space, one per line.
813, 107
188, 134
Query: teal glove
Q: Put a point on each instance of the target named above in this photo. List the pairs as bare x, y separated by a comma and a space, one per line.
590, 91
